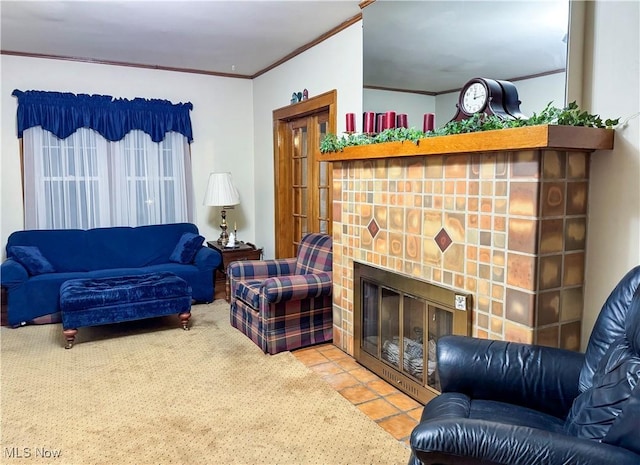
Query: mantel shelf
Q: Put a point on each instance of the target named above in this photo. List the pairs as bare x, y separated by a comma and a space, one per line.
548, 137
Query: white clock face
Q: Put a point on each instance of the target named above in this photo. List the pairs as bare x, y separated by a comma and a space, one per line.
474, 98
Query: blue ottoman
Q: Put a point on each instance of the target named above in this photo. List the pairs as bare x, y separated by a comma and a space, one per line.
99, 301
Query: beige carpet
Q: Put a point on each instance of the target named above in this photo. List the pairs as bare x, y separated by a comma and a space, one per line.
148, 392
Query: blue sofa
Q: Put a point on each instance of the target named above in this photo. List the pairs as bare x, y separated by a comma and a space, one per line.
101, 252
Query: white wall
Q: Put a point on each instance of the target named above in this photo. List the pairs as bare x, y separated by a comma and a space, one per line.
221, 118
536, 93
414, 105
335, 63
611, 89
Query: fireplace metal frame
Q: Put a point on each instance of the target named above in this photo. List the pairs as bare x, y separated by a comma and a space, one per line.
434, 295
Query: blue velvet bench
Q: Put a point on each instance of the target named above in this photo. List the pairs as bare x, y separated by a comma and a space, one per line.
99, 301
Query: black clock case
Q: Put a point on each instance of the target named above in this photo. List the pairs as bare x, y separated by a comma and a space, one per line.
502, 100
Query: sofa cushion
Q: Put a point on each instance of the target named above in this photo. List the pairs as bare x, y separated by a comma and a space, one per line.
32, 259
186, 248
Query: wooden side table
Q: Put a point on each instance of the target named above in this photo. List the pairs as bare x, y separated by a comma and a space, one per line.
242, 251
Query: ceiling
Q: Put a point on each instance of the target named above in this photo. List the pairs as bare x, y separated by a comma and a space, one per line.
231, 37
244, 38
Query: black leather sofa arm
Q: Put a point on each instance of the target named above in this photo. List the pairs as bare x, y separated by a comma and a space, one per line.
480, 442
541, 378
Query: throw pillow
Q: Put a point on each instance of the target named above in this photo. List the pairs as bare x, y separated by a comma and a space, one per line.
186, 248
31, 258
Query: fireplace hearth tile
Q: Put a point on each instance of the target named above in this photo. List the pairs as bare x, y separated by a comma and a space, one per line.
577, 165
551, 236
547, 336
455, 166
577, 198
522, 235
570, 336
571, 304
575, 234
573, 269
517, 333
550, 272
443, 240
454, 258
413, 248
553, 164
548, 308
525, 163
523, 198
373, 228
520, 307
381, 245
402, 402
455, 226
553, 199
378, 409
521, 271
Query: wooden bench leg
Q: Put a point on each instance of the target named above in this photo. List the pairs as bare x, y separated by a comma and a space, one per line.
184, 319
70, 336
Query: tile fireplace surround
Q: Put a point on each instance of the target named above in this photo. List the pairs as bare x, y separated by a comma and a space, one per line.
501, 215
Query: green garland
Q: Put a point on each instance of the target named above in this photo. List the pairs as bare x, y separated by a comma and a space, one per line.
571, 115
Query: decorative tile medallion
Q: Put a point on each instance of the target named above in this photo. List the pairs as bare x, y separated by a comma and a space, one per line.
443, 240
373, 228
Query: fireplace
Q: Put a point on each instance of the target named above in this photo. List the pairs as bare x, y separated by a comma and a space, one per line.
398, 320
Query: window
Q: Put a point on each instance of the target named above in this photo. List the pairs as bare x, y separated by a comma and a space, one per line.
130, 167
150, 180
85, 182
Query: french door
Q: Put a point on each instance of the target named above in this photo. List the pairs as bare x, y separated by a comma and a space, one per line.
303, 181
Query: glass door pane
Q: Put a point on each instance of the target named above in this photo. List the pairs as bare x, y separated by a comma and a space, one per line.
390, 326
323, 181
299, 186
413, 312
370, 318
440, 324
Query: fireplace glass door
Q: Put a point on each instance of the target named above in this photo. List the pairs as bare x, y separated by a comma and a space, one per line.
400, 329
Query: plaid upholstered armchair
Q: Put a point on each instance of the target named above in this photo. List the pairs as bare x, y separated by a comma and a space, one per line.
285, 304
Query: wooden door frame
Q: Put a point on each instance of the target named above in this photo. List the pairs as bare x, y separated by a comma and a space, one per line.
281, 117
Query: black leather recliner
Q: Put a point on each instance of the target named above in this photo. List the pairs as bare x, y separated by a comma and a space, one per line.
519, 404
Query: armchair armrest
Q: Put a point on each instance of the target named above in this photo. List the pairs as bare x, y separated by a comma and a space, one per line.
542, 378
258, 269
298, 287
12, 273
207, 259
466, 441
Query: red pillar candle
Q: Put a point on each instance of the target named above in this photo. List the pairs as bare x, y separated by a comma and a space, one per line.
351, 122
369, 122
402, 121
380, 123
390, 120
429, 122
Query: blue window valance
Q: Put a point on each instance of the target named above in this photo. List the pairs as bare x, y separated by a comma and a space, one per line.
64, 113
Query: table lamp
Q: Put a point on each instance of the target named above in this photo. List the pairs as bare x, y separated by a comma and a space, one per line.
221, 193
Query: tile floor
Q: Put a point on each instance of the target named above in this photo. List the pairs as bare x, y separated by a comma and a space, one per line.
393, 410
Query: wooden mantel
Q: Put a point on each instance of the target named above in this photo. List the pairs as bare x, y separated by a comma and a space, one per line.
546, 137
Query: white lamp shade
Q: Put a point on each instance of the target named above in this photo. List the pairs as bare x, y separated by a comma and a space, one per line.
221, 191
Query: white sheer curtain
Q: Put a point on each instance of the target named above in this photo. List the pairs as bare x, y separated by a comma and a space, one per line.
84, 181
151, 182
66, 180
